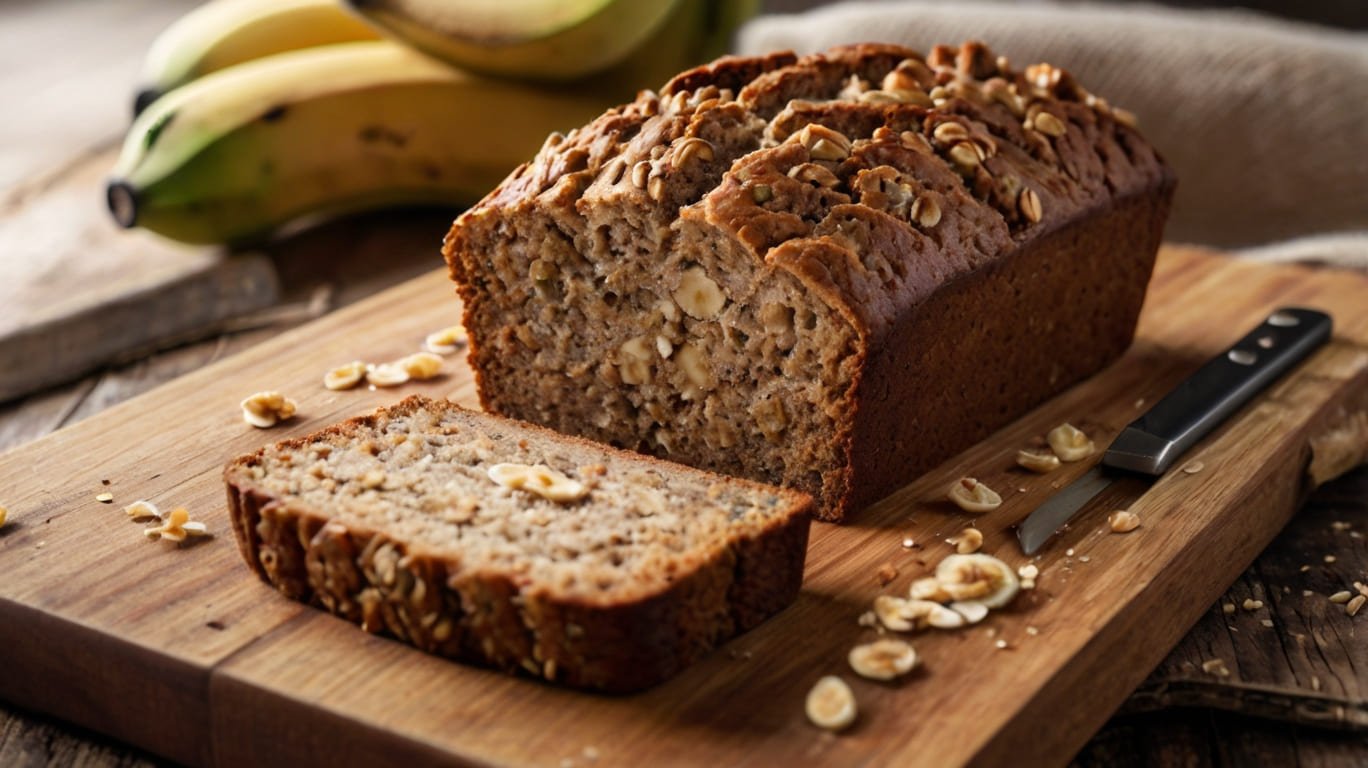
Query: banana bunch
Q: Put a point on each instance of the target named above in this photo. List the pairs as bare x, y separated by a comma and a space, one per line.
252, 114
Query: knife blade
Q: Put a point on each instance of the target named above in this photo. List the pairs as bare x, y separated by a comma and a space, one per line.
1151, 444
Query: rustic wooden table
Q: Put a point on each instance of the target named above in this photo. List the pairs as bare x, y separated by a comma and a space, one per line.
1295, 684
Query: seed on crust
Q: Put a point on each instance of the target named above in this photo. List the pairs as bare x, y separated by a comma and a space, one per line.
965, 155
925, 212
824, 143
1029, 203
884, 659
812, 173
1069, 443
972, 496
831, 704
693, 147
1048, 124
950, 132
640, 173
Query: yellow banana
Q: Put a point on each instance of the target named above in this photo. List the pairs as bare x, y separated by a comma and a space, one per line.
223, 33
239, 152
532, 39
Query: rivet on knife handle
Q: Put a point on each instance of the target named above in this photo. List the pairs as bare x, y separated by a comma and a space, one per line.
1153, 442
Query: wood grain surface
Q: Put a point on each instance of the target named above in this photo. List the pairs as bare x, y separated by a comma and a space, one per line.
89, 605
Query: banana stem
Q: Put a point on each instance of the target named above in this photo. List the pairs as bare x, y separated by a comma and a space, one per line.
123, 203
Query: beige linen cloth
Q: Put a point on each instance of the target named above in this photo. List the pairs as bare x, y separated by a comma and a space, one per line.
1265, 121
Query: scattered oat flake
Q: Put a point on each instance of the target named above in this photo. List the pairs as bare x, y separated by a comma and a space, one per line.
1250, 604
1084, 559
1028, 571
1228, 608
1215, 667
1032, 630
1341, 596
1340, 525
831, 704
1069, 552
1315, 683
447, 341
1000, 644
105, 498
1352, 607
1123, 521
142, 510
868, 619
1304, 568
1329, 558
1266, 622
1307, 593
1193, 467
176, 526
908, 543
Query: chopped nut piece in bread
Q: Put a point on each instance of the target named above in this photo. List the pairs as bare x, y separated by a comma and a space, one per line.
539, 479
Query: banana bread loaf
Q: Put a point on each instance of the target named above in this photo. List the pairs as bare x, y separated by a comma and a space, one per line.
830, 273
486, 540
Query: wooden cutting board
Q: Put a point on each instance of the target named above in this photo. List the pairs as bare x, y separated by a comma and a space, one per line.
182, 651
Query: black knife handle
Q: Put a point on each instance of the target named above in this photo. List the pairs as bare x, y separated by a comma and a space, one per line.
1154, 441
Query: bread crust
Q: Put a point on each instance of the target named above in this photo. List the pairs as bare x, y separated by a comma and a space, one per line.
495, 618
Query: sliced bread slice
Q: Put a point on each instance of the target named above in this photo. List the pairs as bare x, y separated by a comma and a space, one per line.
505, 544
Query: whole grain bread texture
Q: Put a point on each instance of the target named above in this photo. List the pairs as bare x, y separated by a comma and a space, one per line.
611, 572
830, 273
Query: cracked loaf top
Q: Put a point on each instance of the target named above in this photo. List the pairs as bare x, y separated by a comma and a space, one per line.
951, 159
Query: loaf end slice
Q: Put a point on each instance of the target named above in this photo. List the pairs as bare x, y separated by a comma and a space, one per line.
393, 521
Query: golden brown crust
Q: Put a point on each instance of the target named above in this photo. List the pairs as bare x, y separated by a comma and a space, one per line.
499, 619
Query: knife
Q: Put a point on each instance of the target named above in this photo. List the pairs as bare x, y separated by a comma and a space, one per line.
1153, 442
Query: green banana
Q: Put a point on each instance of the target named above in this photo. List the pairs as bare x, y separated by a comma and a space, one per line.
239, 152
554, 40
223, 33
